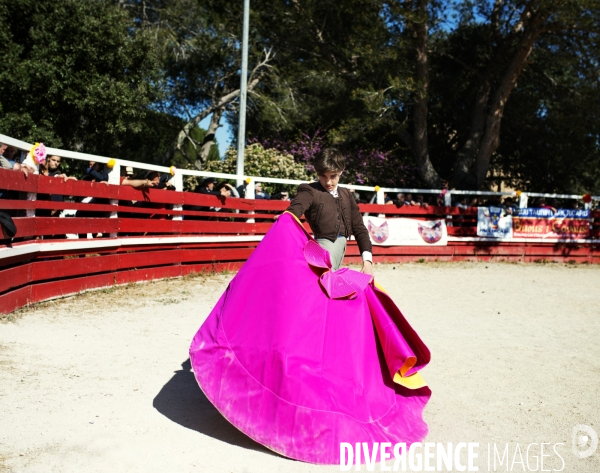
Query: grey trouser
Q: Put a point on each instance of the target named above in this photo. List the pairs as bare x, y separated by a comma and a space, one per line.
336, 250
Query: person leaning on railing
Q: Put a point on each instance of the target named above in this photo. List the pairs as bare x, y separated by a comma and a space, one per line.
127, 179
96, 172
51, 168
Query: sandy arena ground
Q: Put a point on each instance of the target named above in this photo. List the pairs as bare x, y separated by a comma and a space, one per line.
101, 382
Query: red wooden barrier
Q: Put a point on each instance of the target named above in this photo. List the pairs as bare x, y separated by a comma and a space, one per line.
153, 241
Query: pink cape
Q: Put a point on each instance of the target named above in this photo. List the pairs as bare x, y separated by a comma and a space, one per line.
300, 358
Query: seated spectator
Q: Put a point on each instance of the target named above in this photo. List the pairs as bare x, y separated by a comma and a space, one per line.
241, 190
462, 202
409, 200
541, 203
494, 201
96, 172
6, 156
226, 189
258, 192
127, 179
387, 200
474, 202
400, 200
440, 201
356, 197
281, 196
510, 207
4, 162
421, 201
207, 186
50, 168
160, 181
10, 155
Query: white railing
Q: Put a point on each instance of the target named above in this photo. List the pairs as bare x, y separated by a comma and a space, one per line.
177, 180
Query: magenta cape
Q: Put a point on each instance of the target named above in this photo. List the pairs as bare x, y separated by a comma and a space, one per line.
301, 359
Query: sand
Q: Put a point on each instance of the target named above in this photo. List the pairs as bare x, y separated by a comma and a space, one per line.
101, 382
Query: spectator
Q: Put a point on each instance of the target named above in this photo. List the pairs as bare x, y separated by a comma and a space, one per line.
400, 200
51, 168
409, 200
258, 192
208, 187
10, 155
241, 190
96, 172
462, 202
4, 162
127, 179
510, 207
474, 202
541, 203
421, 201
28, 165
281, 196
387, 200
440, 201
494, 201
160, 181
226, 189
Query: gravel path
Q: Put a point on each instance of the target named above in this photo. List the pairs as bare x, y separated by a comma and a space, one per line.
101, 382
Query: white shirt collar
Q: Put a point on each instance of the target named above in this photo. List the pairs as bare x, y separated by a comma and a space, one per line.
334, 192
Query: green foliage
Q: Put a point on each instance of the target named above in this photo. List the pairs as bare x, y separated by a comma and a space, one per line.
122, 78
259, 161
158, 132
74, 74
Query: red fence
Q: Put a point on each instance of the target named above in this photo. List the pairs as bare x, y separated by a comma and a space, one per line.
171, 234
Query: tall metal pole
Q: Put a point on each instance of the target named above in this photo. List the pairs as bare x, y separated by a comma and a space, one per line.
243, 94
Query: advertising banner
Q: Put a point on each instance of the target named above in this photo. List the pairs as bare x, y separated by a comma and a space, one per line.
562, 224
493, 222
544, 223
406, 231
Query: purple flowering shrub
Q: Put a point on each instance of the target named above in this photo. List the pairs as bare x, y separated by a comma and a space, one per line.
367, 167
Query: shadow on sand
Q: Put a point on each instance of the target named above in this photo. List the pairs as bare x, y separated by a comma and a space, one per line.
182, 401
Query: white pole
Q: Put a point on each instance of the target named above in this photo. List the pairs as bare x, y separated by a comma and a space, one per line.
243, 94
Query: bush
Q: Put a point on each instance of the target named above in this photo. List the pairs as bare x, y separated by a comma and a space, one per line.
259, 161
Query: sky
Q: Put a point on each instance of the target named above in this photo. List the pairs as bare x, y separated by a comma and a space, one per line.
223, 134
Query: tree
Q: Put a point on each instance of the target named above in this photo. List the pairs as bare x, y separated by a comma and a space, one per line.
263, 162
408, 78
198, 42
510, 32
74, 74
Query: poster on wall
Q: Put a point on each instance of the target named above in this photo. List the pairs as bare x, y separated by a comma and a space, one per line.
545, 223
406, 231
494, 222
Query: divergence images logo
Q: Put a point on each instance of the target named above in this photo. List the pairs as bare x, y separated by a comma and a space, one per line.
585, 441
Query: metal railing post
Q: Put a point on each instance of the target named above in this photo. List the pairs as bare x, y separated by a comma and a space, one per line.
250, 195
177, 181
114, 176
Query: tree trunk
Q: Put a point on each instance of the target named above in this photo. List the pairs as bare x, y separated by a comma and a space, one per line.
420, 144
491, 137
216, 105
209, 138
